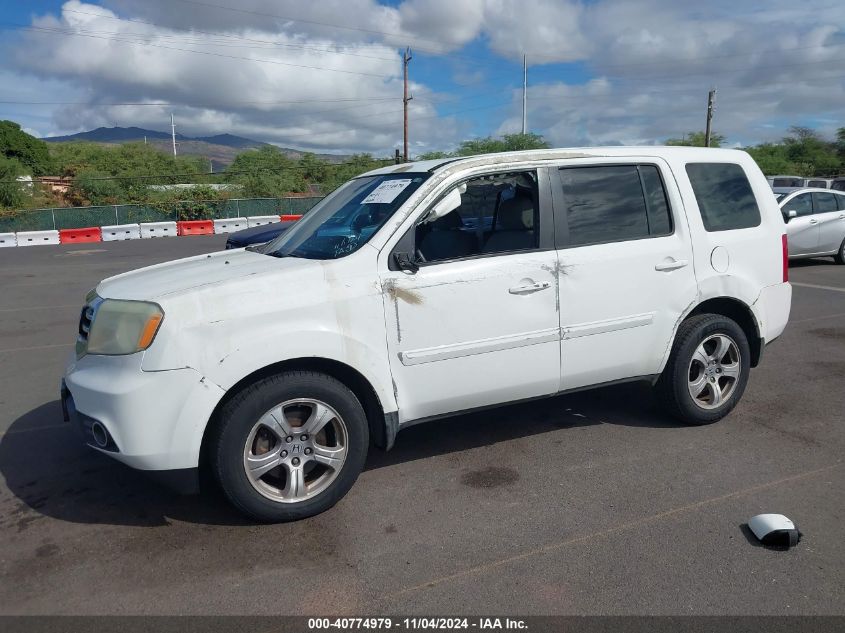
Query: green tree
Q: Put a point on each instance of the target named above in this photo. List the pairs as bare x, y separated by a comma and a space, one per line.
506, 143
696, 139
809, 154
11, 192
266, 173
32, 153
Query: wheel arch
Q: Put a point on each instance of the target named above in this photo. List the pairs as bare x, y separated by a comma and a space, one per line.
737, 311
383, 426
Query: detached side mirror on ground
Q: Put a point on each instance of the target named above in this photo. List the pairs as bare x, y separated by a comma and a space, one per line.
774, 530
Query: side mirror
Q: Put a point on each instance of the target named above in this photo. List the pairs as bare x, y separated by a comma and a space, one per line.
447, 204
406, 262
792, 213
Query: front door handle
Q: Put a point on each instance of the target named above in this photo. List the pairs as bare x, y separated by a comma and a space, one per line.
814, 221
672, 264
527, 288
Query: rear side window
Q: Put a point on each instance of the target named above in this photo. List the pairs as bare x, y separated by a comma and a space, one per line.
822, 184
824, 202
724, 196
613, 203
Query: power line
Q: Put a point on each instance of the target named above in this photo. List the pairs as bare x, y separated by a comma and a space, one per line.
211, 53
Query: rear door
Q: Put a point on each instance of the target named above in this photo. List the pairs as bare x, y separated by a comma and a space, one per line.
626, 273
802, 231
831, 221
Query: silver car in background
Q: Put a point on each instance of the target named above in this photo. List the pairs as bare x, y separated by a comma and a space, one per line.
815, 223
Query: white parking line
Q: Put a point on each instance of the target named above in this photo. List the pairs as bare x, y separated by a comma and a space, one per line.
816, 286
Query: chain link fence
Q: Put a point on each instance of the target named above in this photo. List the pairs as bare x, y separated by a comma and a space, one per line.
82, 217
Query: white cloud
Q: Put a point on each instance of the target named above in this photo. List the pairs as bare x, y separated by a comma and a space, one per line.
644, 68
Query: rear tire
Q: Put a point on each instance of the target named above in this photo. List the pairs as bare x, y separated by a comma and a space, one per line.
839, 258
289, 446
707, 371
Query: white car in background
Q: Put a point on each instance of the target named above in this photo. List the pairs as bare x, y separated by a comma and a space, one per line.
815, 223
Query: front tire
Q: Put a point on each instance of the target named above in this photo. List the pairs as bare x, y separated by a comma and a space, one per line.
289, 446
707, 371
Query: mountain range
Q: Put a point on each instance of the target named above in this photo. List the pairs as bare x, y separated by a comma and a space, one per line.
220, 149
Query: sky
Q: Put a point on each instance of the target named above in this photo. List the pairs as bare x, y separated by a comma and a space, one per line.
326, 75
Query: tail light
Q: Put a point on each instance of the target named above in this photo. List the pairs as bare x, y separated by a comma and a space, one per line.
785, 258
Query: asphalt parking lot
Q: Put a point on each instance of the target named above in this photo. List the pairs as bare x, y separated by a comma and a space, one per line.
591, 503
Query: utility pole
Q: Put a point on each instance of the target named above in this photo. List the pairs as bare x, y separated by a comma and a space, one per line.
173, 133
711, 102
524, 95
405, 99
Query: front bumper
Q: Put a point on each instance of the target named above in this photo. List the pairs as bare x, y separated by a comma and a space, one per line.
154, 420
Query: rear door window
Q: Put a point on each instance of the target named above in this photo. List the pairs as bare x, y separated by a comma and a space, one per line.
612, 203
724, 196
840, 201
824, 202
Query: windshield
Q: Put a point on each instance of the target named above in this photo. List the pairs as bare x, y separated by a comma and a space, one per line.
347, 218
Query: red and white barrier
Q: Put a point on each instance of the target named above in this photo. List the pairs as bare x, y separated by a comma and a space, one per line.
37, 238
80, 236
145, 230
157, 229
195, 227
259, 220
229, 225
116, 232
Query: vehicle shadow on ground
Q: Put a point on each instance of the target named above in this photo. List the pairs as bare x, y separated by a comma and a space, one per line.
50, 473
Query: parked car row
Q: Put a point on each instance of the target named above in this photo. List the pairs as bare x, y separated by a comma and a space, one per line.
794, 182
815, 222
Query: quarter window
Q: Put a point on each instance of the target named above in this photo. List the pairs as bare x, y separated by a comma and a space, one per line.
724, 196
612, 203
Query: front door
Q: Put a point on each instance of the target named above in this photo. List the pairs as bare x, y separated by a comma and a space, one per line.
802, 231
476, 323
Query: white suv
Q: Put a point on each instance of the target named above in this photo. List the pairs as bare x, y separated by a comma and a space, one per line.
420, 290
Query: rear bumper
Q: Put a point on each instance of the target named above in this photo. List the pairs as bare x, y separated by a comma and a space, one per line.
772, 310
154, 421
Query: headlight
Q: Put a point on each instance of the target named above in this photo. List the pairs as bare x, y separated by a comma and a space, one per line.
123, 327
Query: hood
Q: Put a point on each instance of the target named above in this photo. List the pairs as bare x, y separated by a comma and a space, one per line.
193, 272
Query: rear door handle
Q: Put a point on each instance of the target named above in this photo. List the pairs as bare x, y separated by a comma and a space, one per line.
524, 290
672, 264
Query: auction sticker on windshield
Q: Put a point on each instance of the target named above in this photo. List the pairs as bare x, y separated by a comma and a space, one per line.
387, 191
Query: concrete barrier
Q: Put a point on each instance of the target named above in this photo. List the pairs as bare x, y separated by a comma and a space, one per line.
80, 236
157, 229
195, 227
8, 239
37, 238
258, 220
229, 225
115, 232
